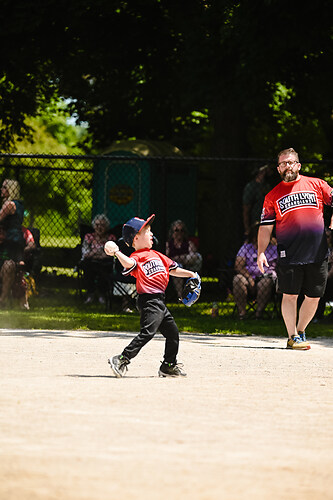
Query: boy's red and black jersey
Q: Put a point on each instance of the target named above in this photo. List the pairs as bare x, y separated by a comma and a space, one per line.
151, 270
297, 210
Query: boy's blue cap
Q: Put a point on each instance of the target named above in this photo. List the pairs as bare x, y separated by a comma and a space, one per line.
133, 226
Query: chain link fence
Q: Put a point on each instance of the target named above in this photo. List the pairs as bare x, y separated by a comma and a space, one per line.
218, 199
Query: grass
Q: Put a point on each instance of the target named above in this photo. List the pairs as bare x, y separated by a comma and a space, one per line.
64, 311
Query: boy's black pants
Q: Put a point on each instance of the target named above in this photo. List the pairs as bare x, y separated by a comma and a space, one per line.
155, 316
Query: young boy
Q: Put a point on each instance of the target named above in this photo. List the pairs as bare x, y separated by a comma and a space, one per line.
151, 270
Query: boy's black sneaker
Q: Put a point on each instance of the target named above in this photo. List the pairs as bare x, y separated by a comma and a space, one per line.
119, 365
171, 370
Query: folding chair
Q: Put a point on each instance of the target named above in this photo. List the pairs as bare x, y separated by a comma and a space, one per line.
273, 298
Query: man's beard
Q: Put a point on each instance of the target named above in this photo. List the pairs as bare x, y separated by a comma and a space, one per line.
288, 176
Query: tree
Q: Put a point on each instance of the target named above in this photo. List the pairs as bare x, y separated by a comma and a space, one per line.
195, 72
51, 133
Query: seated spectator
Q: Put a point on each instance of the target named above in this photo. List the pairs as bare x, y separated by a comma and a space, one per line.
248, 281
11, 217
182, 250
7, 269
15, 245
96, 264
12, 274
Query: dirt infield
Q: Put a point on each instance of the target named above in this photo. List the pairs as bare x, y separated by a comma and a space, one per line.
251, 421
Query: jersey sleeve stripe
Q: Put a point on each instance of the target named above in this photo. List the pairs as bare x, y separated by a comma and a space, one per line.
267, 222
128, 271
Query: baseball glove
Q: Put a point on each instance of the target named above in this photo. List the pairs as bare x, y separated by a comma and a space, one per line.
192, 290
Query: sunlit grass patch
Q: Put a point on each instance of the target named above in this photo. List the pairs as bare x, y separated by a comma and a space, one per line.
64, 310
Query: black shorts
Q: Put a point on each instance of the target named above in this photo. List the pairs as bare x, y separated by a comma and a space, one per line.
309, 279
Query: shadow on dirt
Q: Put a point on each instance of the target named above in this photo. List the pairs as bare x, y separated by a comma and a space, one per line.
109, 376
215, 340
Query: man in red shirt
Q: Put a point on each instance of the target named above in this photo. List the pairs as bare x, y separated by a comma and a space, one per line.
295, 206
151, 270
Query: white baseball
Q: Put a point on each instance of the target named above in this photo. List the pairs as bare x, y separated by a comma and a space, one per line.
111, 248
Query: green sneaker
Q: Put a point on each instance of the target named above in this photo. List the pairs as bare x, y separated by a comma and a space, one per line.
171, 370
298, 344
119, 365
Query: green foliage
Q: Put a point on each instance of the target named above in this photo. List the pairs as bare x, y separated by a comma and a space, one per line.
144, 69
304, 132
52, 131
